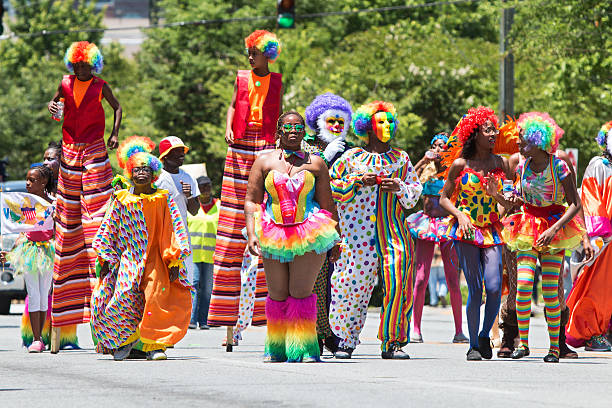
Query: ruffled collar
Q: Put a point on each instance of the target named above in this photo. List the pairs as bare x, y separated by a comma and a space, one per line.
127, 197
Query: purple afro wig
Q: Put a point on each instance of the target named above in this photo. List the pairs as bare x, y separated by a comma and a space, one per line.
323, 103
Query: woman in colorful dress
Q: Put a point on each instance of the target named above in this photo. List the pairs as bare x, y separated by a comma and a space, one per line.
544, 228
143, 297
428, 228
475, 225
291, 224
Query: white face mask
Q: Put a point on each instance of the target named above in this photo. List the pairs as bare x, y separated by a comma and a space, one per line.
333, 124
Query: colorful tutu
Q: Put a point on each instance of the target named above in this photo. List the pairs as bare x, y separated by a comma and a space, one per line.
422, 226
484, 237
522, 229
284, 242
32, 257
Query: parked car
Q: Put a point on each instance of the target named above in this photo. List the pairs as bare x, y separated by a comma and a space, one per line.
12, 286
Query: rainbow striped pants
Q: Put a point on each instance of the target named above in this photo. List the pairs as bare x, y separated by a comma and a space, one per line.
83, 192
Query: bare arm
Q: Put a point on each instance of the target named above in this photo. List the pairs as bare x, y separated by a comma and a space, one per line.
253, 199
113, 140
231, 109
492, 187
465, 228
323, 196
51, 106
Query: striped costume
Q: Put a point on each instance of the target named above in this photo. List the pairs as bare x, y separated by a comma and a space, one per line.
372, 224
231, 243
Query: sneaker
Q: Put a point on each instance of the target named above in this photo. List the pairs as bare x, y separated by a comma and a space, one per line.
395, 354
344, 353
520, 353
273, 359
36, 347
416, 338
551, 358
460, 338
156, 355
122, 352
204, 327
474, 355
596, 343
484, 346
192, 326
311, 359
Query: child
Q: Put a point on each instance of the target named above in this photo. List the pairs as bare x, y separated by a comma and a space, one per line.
84, 184
180, 185
51, 159
33, 257
143, 298
250, 129
544, 228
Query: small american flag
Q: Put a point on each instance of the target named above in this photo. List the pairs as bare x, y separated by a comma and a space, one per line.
29, 213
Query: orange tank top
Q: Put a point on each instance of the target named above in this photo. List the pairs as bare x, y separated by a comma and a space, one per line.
258, 90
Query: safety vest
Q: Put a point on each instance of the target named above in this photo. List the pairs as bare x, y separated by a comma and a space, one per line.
203, 232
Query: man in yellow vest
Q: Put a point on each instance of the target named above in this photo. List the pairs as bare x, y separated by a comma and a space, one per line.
203, 232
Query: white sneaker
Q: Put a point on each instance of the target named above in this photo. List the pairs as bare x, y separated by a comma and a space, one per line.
156, 355
122, 352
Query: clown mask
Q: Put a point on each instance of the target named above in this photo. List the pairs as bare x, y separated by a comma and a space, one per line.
332, 125
383, 124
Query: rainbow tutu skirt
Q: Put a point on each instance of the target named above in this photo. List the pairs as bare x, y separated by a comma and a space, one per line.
522, 229
284, 242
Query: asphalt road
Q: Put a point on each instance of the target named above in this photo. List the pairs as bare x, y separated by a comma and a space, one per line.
200, 373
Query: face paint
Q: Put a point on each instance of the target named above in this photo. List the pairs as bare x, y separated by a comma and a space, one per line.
384, 126
335, 124
332, 125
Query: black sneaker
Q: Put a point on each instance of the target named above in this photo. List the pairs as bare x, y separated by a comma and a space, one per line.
520, 353
551, 358
344, 353
596, 343
484, 346
474, 355
395, 354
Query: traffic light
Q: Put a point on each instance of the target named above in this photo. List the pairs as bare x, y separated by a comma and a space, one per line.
285, 14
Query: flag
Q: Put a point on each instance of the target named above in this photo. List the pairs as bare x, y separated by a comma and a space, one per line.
24, 212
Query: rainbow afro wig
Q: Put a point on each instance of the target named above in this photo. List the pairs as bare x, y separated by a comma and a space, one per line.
540, 130
266, 42
604, 134
362, 118
472, 120
135, 151
84, 51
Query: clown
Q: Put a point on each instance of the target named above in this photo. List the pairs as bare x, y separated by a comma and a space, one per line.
329, 116
589, 302
84, 182
143, 298
372, 186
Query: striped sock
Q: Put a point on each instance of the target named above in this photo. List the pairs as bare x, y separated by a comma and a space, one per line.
551, 267
526, 264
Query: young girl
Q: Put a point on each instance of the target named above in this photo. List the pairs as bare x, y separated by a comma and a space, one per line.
33, 257
545, 227
250, 129
143, 298
428, 227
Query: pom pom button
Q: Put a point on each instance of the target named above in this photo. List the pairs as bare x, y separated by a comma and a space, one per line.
257, 83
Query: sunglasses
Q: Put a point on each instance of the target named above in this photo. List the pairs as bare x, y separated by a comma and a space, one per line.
288, 126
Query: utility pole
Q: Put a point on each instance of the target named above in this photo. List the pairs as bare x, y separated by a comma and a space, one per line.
506, 67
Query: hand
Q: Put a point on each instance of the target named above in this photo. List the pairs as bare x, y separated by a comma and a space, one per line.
53, 109
589, 251
491, 185
334, 253
113, 141
333, 148
253, 244
389, 184
369, 179
515, 200
173, 273
229, 136
186, 189
104, 270
465, 229
546, 237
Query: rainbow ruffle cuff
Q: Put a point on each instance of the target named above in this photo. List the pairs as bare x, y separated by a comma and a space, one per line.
284, 242
427, 228
484, 237
522, 230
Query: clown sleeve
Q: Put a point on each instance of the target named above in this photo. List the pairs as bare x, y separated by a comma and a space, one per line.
105, 241
596, 195
344, 185
410, 186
